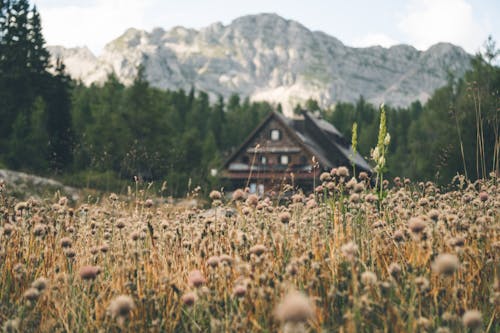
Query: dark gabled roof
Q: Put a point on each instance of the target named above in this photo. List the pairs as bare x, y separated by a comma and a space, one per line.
317, 136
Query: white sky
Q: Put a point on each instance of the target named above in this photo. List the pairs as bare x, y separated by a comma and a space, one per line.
420, 23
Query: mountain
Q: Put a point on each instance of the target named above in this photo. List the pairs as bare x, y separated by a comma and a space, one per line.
267, 57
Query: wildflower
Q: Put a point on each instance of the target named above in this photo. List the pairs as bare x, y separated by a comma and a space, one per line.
113, 197
31, 294
196, 278
226, 259
354, 198
258, 249
349, 250
343, 172
483, 196
8, 229
284, 217
149, 203
40, 284
121, 306
417, 225
188, 299
213, 261
11, 325
398, 236
252, 200
325, 176
215, 195
446, 264
394, 269
239, 291
89, 272
238, 195
472, 319
368, 278
363, 175
422, 283
66, 242
294, 308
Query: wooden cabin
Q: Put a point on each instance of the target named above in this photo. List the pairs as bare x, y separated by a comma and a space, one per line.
281, 150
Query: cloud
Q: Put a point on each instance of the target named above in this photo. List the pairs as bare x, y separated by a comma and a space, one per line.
374, 39
431, 21
92, 24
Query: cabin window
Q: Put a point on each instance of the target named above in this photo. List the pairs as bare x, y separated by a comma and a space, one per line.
245, 160
275, 134
284, 160
260, 189
253, 188
263, 160
303, 160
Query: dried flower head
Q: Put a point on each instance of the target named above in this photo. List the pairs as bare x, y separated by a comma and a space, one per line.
121, 306
472, 319
196, 278
258, 249
343, 172
368, 278
417, 225
215, 195
446, 264
238, 195
252, 200
284, 217
294, 308
40, 284
239, 290
349, 250
31, 294
188, 299
89, 272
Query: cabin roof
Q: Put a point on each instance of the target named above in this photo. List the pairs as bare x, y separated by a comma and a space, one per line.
315, 135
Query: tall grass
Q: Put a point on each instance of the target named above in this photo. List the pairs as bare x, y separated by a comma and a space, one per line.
234, 268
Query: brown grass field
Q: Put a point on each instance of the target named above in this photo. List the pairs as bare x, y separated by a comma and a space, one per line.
417, 259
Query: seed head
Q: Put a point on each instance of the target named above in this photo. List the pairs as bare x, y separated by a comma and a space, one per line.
238, 195
252, 200
239, 291
446, 264
417, 225
284, 217
472, 319
40, 284
31, 294
188, 299
343, 172
215, 195
121, 306
349, 250
258, 249
66, 242
89, 272
368, 278
295, 308
196, 279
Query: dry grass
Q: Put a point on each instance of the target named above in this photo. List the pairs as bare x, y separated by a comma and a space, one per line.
419, 261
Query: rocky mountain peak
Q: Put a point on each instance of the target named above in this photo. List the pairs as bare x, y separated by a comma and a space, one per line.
267, 57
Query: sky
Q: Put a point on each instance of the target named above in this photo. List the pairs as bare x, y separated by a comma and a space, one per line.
420, 23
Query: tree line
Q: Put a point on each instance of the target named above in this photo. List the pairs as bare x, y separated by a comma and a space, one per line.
105, 135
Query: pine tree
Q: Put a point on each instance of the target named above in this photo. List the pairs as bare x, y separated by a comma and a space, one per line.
59, 124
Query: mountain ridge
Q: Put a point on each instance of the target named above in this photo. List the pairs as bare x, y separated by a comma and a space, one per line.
267, 57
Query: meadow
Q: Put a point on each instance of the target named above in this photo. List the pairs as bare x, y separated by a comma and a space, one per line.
411, 257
